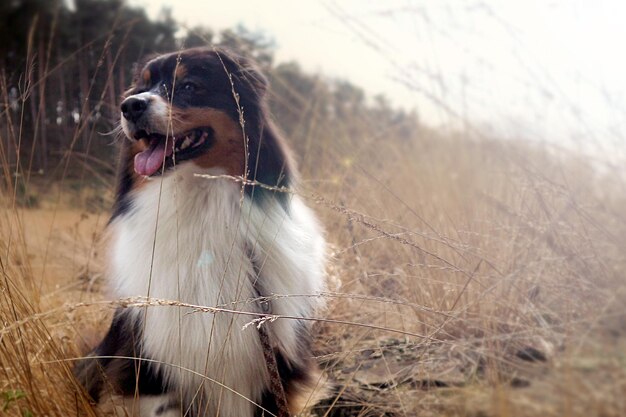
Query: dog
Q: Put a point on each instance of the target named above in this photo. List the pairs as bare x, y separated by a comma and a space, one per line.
201, 218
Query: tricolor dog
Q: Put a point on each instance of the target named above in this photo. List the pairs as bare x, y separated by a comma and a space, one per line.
185, 229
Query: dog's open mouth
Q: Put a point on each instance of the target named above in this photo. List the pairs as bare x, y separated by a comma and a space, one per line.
167, 151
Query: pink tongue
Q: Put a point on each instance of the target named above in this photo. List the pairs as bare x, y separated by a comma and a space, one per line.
149, 161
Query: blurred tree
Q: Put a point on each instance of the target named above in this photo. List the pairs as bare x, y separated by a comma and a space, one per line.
69, 68
198, 36
290, 94
63, 71
255, 45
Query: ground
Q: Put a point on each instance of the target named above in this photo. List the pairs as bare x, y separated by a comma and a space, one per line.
386, 352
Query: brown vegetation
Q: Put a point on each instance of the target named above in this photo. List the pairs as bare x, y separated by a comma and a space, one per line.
469, 276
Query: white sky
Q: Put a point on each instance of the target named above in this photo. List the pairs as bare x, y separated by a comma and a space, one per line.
543, 70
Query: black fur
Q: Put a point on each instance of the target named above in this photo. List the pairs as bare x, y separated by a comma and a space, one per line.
125, 180
211, 70
112, 363
268, 163
291, 374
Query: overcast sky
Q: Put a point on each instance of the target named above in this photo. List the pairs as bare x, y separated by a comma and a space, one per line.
543, 70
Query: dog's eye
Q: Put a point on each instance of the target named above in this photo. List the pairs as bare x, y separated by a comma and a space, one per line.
189, 87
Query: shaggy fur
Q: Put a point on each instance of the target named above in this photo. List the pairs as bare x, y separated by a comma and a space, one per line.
205, 241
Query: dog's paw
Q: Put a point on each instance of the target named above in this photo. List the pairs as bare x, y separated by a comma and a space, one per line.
164, 405
159, 406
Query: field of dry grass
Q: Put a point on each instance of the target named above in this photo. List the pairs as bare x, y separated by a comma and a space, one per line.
468, 277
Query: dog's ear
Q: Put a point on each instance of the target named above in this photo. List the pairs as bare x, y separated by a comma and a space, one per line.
245, 73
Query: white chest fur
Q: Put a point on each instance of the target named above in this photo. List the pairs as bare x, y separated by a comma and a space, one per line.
192, 239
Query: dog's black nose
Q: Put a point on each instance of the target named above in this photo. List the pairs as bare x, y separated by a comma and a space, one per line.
133, 107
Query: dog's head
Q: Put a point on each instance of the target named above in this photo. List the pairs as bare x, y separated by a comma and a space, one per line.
189, 106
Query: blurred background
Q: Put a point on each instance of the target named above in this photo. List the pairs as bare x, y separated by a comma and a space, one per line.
466, 158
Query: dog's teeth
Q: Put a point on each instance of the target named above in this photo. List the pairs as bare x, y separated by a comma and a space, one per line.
186, 143
198, 142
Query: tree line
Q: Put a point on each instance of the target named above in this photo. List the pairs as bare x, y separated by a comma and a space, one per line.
63, 70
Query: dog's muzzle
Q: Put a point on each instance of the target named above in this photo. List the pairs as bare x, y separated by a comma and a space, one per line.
133, 108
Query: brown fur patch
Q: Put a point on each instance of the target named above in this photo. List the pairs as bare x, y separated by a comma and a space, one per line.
181, 71
302, 395
146, 77
228, 151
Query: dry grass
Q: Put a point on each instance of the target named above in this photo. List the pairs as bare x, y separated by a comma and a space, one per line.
489, 251
468, 277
